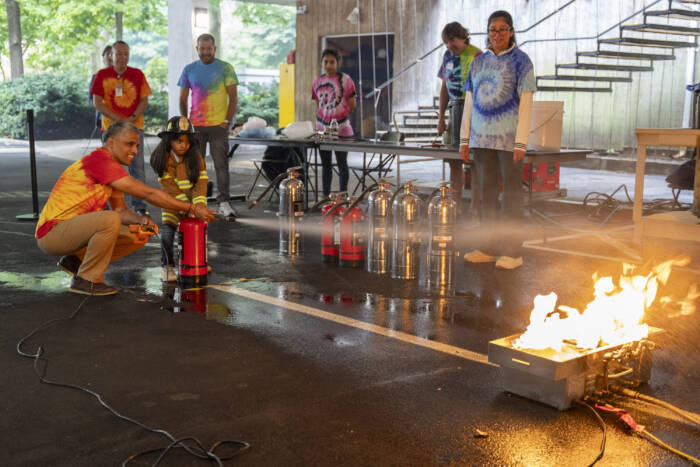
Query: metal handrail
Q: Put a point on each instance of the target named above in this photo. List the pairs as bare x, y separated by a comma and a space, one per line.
431, 51
597, 36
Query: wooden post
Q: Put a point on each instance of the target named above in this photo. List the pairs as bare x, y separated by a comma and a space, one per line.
639, 187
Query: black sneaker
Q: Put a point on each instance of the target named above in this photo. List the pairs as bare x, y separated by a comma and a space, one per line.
143, 212
69, 264
85, 287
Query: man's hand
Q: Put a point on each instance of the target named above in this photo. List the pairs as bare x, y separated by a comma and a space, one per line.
224, 124
145, 220
203, 213
441, 125
464, 152
518, 155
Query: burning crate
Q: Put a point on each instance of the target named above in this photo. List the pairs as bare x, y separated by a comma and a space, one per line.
565, 354
559, 377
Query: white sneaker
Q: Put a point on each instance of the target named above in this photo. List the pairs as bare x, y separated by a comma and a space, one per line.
226, 210
478, 257
168, 274
508, 262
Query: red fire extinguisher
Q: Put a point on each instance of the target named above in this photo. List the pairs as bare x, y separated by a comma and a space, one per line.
330, 228
352, 237
192, 234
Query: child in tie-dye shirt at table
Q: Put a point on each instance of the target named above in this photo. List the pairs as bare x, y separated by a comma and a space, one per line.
335, 93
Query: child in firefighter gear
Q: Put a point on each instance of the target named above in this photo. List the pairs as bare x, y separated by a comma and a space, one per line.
182, 173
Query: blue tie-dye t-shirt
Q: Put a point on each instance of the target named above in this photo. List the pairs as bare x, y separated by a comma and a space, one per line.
496, 83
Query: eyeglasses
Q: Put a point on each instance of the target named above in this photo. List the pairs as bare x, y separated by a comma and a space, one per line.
499, 31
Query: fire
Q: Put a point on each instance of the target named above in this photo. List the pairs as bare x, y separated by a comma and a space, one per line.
613, 317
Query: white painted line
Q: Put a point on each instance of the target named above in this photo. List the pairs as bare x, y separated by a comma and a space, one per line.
398, 335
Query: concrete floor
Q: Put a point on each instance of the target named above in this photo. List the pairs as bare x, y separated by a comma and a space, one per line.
258, 360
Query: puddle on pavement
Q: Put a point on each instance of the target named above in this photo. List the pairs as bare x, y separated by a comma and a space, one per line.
194, 301
55, 282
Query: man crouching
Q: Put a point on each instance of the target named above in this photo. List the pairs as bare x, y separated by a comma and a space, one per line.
74, 223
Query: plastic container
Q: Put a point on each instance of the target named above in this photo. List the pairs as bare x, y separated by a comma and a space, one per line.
545, 126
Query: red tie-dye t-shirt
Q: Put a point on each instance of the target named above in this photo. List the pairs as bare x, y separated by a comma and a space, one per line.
332, 93
121, 93
82, 188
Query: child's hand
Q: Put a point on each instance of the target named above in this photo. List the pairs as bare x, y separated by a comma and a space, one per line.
201, 212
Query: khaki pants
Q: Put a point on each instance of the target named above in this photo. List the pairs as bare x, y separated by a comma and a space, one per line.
97, 238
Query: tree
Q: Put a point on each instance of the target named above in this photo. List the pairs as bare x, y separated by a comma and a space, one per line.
61, 35
267, 36
215, 20
14, 33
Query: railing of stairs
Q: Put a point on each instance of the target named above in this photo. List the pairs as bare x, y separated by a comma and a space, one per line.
378, 89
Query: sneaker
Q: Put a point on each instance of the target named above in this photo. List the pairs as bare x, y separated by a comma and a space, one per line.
69, 264
508, 262
85, 287
476, 256
143, 212
226, 210
168, 274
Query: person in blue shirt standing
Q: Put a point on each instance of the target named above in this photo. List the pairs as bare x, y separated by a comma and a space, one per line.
495, 127
453, 72
214, 87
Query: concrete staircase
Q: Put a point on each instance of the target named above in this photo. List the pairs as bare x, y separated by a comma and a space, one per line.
419, 126
632, 46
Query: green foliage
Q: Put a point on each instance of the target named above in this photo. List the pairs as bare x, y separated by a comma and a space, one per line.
267, 35
61, 35
156, 72
259, 100
60, 103
143, 46
156, 114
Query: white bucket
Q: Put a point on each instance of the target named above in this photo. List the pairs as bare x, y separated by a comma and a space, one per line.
545, 126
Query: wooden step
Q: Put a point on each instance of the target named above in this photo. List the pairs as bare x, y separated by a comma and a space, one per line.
598, 66
612, 79
615, 54
639, 42
571, 89
662, 29
674, 13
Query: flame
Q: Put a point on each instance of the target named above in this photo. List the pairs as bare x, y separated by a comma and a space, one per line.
613, 317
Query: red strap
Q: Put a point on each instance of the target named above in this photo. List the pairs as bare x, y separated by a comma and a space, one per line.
625, 417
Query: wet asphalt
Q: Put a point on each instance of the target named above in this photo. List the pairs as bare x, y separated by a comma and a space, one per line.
303, 390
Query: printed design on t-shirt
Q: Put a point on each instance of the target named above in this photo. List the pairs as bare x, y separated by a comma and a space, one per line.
128, 95
495, 93
330, 99
208, 84
82, 188
496, 84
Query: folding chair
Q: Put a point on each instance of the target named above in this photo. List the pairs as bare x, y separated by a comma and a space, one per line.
378, 165
257, 163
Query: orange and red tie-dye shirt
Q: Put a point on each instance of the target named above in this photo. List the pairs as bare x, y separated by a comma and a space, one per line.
82, 188
120, 93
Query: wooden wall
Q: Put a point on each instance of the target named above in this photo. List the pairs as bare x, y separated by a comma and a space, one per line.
328, 17
593, 120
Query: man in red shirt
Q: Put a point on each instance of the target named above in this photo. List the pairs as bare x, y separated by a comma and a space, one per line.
121, 95
74, 223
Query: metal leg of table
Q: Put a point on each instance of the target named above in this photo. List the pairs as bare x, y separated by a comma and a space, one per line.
305, 168
398, 170
364, 169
